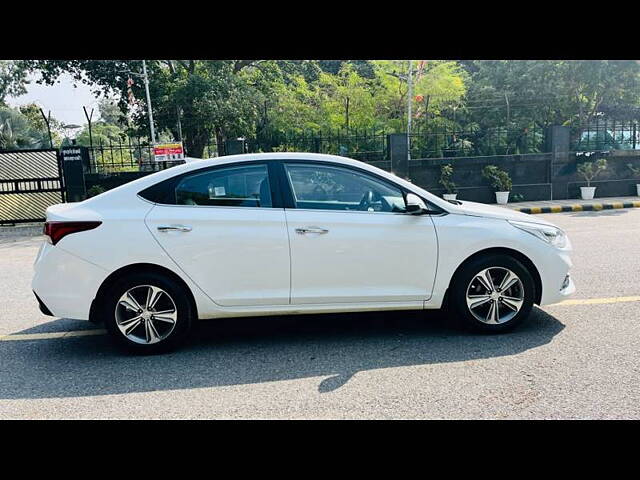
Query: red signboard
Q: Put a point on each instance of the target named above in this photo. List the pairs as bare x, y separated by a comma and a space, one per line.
168, 151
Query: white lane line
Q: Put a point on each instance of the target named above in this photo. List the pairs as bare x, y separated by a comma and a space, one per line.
596, 301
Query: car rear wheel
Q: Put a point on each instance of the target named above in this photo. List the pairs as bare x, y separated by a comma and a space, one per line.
492, 294
147, 313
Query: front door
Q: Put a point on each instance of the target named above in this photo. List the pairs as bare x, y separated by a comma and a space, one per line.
351, 240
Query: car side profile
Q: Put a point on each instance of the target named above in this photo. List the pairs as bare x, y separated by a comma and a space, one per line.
289, 233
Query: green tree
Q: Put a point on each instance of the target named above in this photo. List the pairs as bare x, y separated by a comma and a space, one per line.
438, 85
218, 98
526, 93
346, 99
17, 133
36, 122
13, 79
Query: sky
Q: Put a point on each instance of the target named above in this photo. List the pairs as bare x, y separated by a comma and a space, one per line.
64, 101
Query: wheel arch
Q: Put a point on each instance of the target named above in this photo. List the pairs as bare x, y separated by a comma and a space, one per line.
521, 257
138, 268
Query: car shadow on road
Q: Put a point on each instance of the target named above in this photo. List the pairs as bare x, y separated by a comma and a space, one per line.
255, 350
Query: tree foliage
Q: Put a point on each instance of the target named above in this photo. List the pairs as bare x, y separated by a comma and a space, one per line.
22, 129
487, 105
13, 79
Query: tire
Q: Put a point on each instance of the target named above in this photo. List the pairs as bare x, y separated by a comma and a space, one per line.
478, 308
145, 331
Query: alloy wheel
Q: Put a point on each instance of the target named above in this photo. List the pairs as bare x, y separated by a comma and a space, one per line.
146, 314
495, 295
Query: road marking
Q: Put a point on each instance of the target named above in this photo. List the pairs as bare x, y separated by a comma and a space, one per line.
596, 301
46, 336
93, 332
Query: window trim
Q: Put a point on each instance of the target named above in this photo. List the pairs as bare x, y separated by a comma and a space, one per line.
168, 186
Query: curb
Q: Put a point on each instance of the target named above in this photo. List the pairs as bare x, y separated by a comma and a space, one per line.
586, 207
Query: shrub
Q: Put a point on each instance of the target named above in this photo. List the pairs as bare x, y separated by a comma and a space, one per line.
500, 180
95, 190
446, 172
590, 170
635, 170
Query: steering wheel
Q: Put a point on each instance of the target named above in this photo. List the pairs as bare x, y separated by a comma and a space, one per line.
366, 201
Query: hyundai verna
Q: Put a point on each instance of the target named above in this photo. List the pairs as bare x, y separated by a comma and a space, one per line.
289, 233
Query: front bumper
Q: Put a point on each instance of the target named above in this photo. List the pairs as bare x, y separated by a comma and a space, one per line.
557, 284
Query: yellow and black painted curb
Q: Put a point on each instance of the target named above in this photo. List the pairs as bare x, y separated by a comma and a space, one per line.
586, 207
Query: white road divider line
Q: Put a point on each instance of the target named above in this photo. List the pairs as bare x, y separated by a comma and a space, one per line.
92, 332
596, 301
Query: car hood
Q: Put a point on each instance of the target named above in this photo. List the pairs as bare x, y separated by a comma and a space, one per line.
489, 211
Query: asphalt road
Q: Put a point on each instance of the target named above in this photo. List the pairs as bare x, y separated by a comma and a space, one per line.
579, 360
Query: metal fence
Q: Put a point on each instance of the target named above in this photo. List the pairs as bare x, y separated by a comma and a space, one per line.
131, 155
603, 134
135, 154
363, 145
490, 141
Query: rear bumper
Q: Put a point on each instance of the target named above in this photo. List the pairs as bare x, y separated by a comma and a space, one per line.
64, 284
43, 308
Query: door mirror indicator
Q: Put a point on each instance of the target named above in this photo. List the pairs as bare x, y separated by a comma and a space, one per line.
415, 205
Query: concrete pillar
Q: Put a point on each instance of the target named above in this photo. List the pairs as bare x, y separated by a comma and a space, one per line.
398, 154
558, 144
75, 160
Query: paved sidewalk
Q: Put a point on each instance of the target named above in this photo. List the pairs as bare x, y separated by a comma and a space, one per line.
575, 205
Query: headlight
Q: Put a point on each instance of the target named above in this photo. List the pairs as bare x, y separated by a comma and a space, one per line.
552, 235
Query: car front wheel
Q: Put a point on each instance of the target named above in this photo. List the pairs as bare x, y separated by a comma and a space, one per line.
147, 313
493, 294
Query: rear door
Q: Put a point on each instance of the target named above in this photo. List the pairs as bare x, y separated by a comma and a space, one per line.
224, 229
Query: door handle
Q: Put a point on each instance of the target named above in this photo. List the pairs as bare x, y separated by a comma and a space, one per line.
174, 228
305, 230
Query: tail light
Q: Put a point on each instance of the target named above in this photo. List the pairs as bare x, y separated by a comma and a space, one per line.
56, 231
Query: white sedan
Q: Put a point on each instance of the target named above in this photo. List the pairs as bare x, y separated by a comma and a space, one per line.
284, 233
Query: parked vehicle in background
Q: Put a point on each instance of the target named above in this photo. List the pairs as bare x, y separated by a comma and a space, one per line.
601, 139
283, 233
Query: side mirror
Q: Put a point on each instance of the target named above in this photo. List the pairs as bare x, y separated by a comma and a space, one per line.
415, 205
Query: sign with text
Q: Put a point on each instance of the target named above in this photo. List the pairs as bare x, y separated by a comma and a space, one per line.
75, 161
165, 152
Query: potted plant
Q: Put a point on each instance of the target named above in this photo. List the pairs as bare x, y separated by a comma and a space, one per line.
636, 172
589, 171
500, 181
446, 172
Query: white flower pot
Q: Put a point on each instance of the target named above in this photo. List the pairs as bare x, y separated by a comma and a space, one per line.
638, 189
452, 196
587, 192
502, 198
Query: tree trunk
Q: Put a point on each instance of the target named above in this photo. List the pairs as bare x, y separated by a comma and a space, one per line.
195, 144
220, 140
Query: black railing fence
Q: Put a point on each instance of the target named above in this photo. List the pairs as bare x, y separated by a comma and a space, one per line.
480, 142
604, 134
136, 154
363, 145
129, 155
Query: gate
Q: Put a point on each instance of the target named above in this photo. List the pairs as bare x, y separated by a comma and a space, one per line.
30, 181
